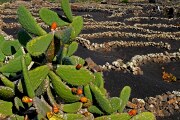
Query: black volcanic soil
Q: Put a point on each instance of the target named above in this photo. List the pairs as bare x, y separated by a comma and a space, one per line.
146, 85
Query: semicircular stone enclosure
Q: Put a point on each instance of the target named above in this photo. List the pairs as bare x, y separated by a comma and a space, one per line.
134, 44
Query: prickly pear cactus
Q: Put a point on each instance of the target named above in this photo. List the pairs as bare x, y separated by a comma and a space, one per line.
103, 102
14, 65
95, 110
28, 22
77, 26
71, 108
6, 93
67, 9
10, 47
72, 48
43, 41
62, 89
121, 116
49, 16
144, 116
44, 80
6, 108
124, 96
74, 76
73, 117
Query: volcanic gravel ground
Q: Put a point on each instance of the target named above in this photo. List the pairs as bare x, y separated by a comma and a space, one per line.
140, 18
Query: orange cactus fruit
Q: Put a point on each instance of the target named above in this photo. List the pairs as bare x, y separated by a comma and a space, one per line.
55, 109
79, 91
49, 114
26, 99
74, 90
83, 99
78, 66
53, 26
132, 112
86, 114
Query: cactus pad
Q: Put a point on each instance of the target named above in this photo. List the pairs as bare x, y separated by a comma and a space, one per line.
38, 75
28, 22
77, 25
14, 65
42, 87
124, 96
6, 93
62, 89
2, 56
87, 92
39, 45
73, 117
101, 99
26, 81
6, 108
10, 47
115, 103
67, 9
77, 60
18, 103
64, 35
95, 110
121, 116
74, 76
72, 108
99, 81
23, 37
41, 106
72, 48
144, 116
7, 82
49, 16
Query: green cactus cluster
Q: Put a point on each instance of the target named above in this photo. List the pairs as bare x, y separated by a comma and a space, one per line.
44, 80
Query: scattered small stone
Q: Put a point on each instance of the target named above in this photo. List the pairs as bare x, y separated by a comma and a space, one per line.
161, 105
